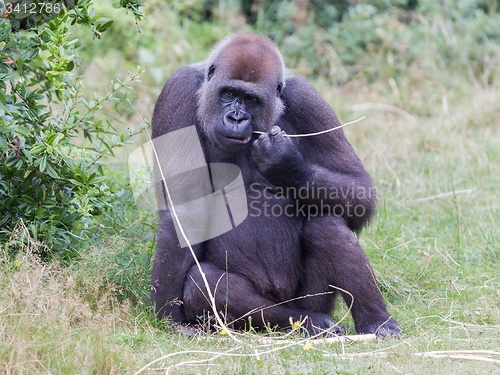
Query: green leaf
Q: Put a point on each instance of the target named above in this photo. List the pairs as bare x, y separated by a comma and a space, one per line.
27, 153
20, 130
27, 199
36, 149
51, 138
51, 171
99, 179
39, 212
75, 182
57, 139
48, 203
43, 163
19, 164
3, 143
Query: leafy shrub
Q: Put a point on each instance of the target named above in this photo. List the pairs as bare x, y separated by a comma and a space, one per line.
379, 40
48, 183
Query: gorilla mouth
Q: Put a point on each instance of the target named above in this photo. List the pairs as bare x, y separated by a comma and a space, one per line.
241, 139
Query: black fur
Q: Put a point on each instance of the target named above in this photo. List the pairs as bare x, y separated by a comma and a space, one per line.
271, 259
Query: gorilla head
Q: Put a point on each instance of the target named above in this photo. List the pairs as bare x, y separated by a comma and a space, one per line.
244, 77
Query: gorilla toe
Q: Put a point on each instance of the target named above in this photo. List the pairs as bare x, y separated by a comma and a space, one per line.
321, 325
383, 329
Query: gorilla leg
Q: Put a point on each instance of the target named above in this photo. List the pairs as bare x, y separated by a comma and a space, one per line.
333, 256
238, 300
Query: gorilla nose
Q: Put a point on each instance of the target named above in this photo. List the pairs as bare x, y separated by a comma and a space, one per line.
239, 120
237, 126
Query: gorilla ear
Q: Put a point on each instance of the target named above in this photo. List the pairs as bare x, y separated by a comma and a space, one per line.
211, 71
279, 88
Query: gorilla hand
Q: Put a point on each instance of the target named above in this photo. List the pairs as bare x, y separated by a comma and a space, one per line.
278, 160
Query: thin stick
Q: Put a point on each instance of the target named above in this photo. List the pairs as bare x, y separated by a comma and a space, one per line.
455, 356
318, 133
327, 340
289, 343
461, 352
443, 195
181, 229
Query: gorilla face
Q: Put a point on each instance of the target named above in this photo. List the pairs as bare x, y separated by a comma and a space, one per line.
240, 110
243, 81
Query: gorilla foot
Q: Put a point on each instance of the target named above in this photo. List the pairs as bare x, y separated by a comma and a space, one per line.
387, 328
321, 325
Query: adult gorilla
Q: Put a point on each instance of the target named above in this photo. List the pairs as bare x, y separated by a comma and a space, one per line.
243, 88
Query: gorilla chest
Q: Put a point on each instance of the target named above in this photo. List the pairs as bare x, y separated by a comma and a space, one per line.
265, 247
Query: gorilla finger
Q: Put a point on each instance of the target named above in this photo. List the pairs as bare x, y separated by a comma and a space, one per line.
265, 141
256, 150
275, 131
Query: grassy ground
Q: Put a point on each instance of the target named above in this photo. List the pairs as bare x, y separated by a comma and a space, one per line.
434, 246
434, 154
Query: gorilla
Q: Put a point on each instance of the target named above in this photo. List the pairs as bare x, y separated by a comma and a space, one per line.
307, 199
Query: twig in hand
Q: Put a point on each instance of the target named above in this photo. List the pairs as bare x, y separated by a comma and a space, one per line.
318, 133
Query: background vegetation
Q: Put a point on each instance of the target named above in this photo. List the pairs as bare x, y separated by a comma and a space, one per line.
76, 252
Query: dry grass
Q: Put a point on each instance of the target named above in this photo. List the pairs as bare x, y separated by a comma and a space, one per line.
47, 326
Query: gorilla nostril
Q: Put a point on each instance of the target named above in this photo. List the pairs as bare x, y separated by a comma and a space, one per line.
237, 118
242, 120
231, 118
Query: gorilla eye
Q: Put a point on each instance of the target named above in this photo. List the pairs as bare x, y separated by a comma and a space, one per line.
229, 93
252, 98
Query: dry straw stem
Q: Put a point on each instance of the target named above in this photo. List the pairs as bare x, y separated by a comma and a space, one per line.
474, 355
443, 195
283, 344
317, 133
181, 229
328, 340
289, 343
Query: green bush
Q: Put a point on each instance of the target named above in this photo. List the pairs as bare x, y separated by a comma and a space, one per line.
49, 182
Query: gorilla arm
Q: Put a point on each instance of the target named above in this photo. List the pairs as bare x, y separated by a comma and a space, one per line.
175, 109
324, 164
170, 269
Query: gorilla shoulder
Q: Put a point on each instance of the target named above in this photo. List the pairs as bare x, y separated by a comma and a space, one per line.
177, 101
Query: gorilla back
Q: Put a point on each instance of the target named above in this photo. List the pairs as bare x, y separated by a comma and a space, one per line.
305, 198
